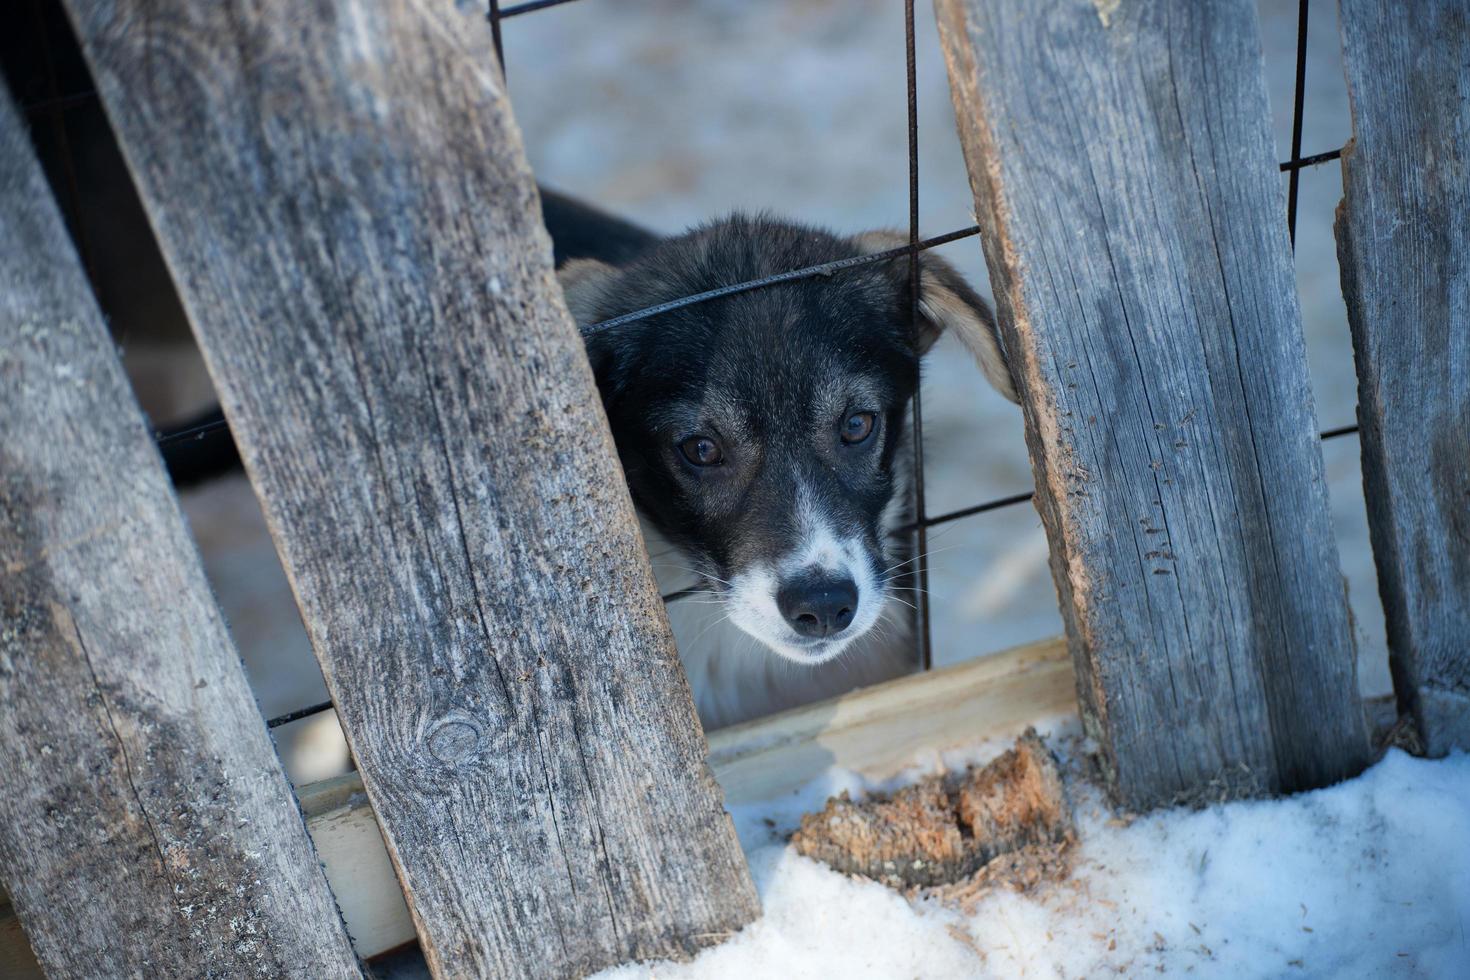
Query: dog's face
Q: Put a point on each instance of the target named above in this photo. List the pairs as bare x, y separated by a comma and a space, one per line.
761, 432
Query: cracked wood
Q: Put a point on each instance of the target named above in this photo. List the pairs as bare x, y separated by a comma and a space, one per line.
146, 827
1403, 236
1124, 178
341, 195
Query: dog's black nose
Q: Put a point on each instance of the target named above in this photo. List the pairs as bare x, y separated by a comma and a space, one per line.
818, 606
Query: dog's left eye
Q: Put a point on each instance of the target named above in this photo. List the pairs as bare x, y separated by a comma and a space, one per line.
702, 451
857, 427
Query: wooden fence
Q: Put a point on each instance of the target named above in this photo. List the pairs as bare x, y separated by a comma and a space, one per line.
1404, 246
345, 207
138, 780
1138, 248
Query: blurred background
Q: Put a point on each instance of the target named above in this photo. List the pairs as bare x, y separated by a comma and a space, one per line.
669, 112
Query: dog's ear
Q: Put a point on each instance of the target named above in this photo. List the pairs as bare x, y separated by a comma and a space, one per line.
946, 302
584, 282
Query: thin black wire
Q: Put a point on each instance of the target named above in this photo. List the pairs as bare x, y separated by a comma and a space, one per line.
56, 103
516, 10
495, 15
921, 528
1020, 498
60, 102
1338, 433
811, 271
298, 714
971, 511
194, 432
823, 269
945, 518
1310, 161
1296, 121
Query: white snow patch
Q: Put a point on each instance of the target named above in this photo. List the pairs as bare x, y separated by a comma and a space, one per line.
1370, 878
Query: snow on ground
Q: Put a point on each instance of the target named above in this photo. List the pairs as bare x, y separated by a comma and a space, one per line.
1370, 878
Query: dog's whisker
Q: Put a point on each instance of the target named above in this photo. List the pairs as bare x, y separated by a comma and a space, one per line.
712, 625
893, 586
928, 554
697, 573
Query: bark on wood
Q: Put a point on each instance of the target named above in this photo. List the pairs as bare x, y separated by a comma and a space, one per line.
942, 830
1122, 166
342, 196
146, 826
1403, 235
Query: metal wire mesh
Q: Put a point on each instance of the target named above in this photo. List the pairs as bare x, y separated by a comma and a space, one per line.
54, 104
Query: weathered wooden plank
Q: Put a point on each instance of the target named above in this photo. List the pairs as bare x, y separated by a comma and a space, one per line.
876, 731
1403, 235
1122, 166
146, 826
341, 194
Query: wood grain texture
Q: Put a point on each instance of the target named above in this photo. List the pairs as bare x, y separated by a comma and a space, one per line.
877, 731
146, 826
340, 192
1403, 235
1124, 177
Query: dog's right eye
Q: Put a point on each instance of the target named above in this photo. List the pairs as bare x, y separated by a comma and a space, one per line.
702, 451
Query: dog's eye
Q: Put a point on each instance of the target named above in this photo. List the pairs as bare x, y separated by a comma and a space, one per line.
857, 427
702, 451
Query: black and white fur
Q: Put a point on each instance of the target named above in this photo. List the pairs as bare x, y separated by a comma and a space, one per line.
737, 423
794, 521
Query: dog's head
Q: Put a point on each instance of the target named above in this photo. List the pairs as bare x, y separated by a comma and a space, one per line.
761, 432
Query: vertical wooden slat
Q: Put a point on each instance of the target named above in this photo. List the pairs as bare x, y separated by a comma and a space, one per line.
1122, 165
146, 827
1403, 235
341, 193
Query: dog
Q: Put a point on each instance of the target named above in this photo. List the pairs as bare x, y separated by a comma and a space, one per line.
765, 439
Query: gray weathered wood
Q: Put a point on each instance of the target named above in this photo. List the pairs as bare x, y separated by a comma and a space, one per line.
341, 194
1121, 160
875, 731
146, 826
1404, 249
